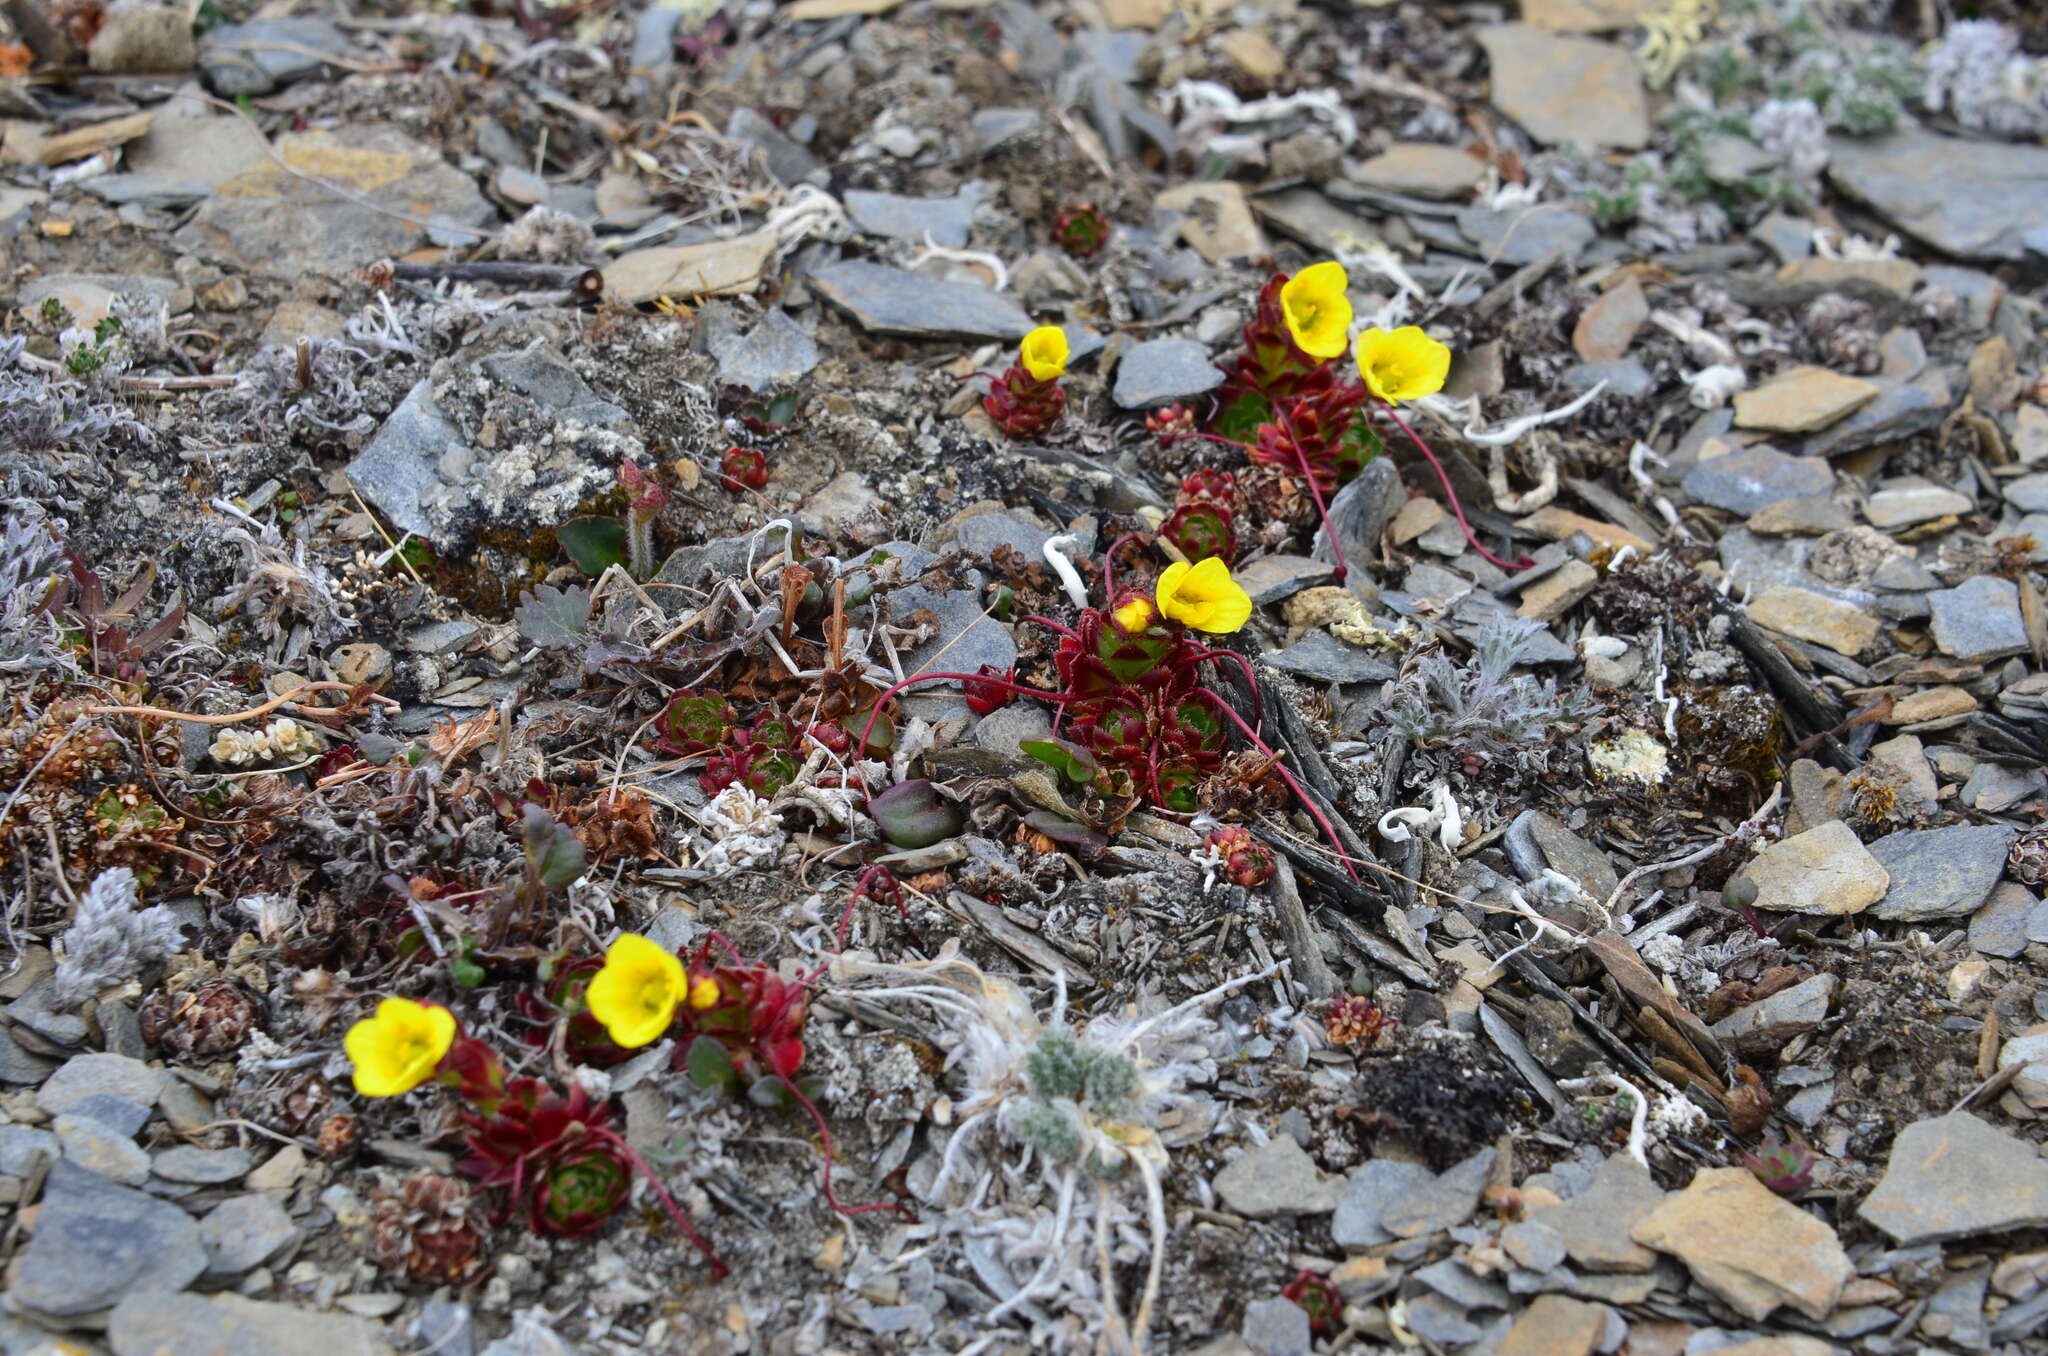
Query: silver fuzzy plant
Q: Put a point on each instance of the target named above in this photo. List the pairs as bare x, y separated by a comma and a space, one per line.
111, 940
1980, 77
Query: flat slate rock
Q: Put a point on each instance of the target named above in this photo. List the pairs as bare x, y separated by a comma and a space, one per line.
230, 1325
1323, 657
944, 220
96, 1241
1939, 873
1979, 619
1745, 481
1973, 199
279, 221
1567, 89
1277, 1178
1160, 371
259, 56
1374, 1185
1956, 1176
774, 353
886, 300
1522, 236
86, 1076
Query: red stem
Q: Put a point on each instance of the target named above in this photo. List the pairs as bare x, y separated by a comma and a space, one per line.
853, 901
719, 1270
1300, 793
1258, 701
1109, 566
1457, 508
1051, 625
825, 1138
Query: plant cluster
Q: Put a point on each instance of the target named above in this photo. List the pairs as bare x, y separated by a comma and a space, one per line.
1199, 526
1026, 400
1484, 709
1286, 405
557, 1155
1081, 230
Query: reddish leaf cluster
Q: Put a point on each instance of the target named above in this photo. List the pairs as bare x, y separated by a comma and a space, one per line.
1200, 524
1021, 405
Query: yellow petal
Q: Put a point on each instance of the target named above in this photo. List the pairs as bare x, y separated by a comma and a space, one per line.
636, 993
1044, 352
1167, 591
1136, 614
398, 1049
1317, 310
704, 994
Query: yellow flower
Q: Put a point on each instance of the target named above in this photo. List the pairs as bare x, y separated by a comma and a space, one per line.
1317, 310
1204, 596
636, 993
1136, 614
705, 994
397, 1050
1044, 352
1404, 365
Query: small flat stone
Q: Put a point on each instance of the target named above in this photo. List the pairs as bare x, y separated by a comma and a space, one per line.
774, 353
1585, 16
1908, 757
1216, 220
1553, 1325
1534, 1245
1608, 326
96, 1147
123, 1117
1271, 579
2001, 927
201, 1167
1902, 354
1161, 371
1558, 592
1625, 377
1825, 870
1931, 703
1568, 854
1898, 276
888, 300
1803, 400
967, 638
1902, 504
259, 56
2028, 494
1323, 657
1930, 186
1955, 1176
1979, 620
232, 1325
946, 220
1752, 1248
83, 1076
709, 268
1596, 1221
1996, 788
1252, 52
1276, 1327
1567, 89
1423, 169
1277, 1178
789, 160
243, 1232
1811, 616
1443, 1202
1770, 1024
1523, 237
1557, 524
1813, 515
96, 1241
1374, 1185
1745, 481
1900, 410
281, 217
1939, 873
19, 1146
